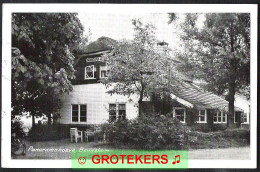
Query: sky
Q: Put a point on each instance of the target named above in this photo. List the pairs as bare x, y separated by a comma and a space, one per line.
119, 26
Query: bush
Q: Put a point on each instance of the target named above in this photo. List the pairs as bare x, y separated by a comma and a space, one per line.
157, 132
116, 132
148, 132
219, 127
16, 128
44, 132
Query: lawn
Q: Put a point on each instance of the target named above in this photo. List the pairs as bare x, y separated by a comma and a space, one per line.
38, 150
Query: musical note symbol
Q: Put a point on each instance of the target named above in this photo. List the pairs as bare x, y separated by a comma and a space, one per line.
178, 161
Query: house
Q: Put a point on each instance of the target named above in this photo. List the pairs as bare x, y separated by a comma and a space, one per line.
204, 110
244, 103
89, 103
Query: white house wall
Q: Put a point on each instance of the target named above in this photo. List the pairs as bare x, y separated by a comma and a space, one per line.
243, 103
97, 101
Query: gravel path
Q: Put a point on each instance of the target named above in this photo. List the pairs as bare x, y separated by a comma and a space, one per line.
240, 153
62, 150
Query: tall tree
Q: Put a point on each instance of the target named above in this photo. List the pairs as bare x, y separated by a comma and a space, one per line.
139, 66
218, 51
42, 60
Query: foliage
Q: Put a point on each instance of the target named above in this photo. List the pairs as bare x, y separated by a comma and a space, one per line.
210, 48
151, 132
43, 132
140, 66
42, 60
16, 127
163, 103
116, 132
172, 17
218, 52
157, 132
219, 127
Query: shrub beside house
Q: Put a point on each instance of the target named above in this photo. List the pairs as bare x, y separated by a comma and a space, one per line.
155, 132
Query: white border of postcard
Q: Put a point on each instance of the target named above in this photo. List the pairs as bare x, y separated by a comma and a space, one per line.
121, 8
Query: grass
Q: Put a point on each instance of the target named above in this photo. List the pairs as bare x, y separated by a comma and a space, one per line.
220, 139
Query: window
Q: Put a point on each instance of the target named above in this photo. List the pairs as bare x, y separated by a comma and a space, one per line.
202, 117
112, 112
103, 71
121, 111
90, 72
179, 113
220, 117
117, 112
224, 116
244, 118
83, 113
79, 113
75, 113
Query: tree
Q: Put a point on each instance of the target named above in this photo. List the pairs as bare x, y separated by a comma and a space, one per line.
172, 17
139, 66
42, 60
218, 52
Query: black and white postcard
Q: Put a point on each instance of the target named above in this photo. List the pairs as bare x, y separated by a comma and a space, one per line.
136, 77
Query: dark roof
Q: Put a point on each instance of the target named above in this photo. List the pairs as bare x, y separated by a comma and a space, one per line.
200, 98
101, 44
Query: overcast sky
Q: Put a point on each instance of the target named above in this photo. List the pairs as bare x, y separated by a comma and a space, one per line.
119, 26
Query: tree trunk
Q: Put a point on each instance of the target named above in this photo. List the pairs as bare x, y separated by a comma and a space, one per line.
232, 81
33, 120
49, 119
231, 107
140, 102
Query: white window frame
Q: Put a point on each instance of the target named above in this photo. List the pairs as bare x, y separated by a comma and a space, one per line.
221, 114
100, 72
93, 69
117, 109
205, 116
79, 113
174, 113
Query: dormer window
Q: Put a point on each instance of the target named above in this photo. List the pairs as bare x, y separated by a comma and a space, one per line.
90, 72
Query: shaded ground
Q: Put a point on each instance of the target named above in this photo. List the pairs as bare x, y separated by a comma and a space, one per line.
59, 149
62, 150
